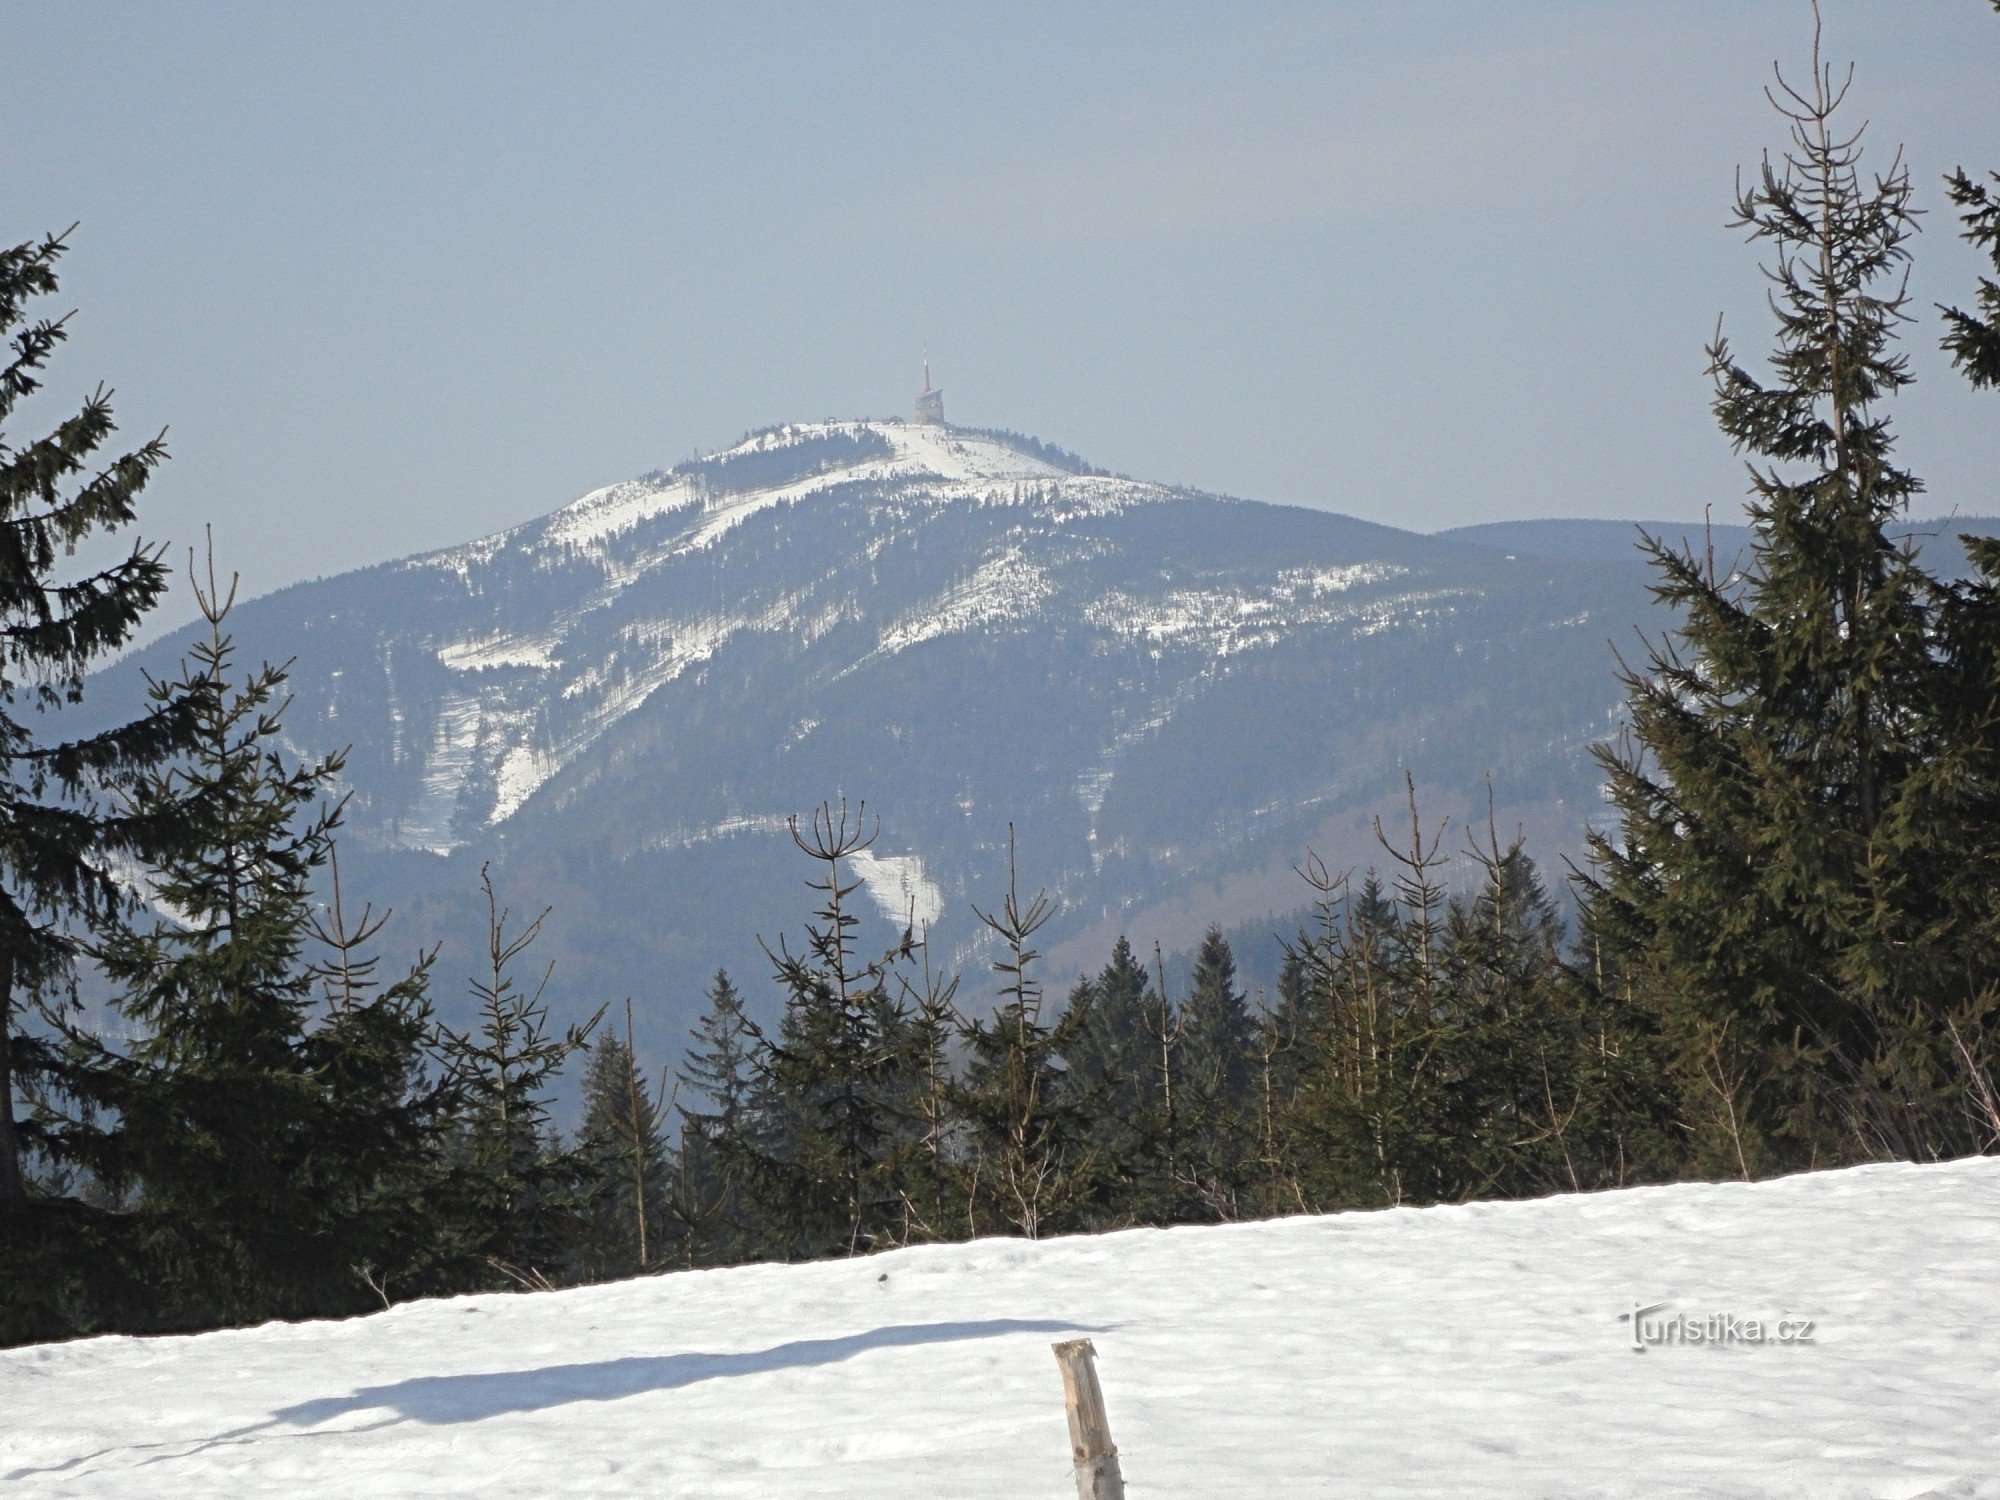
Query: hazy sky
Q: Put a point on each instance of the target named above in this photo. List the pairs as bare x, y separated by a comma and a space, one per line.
400, 275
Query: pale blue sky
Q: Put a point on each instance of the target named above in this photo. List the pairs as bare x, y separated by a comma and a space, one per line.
399, 275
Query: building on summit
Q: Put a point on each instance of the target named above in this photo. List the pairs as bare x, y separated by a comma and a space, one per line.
930, 403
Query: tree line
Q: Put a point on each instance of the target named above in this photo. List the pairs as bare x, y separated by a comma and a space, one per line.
218, 1104
1421, 1046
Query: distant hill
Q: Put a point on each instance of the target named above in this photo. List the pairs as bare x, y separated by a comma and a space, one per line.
1169, 695
1617, 541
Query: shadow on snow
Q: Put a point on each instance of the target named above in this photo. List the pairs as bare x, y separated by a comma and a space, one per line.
444, 1399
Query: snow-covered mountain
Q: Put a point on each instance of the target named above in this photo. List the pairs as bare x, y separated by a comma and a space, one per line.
1169, 694
1480, 1350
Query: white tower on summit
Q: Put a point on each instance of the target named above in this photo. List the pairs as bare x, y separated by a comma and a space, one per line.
930, 403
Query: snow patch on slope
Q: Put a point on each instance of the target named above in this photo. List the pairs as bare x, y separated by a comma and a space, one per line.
1002, 588
497, 650
453, 754
615, 508
727, 828
1226, 618
898, 886
522, 771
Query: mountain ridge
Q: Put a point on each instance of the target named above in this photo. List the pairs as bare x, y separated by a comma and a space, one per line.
1592, 540
1168, 694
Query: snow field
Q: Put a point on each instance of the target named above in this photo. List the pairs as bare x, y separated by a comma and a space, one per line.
1463, 1351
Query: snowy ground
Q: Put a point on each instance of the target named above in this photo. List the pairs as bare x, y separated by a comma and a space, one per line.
1458, 1352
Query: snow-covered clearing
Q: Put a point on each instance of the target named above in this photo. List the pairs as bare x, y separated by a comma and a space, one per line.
1465, 1351
899, 887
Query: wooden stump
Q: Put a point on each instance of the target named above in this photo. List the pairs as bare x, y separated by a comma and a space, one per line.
1090, 1445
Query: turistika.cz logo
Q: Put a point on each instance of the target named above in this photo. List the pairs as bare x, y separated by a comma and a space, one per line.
1656, 1326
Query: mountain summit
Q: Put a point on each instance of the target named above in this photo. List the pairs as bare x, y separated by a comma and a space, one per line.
1168, 694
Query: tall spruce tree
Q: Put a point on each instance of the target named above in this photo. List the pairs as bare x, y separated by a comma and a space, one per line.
719, 1124
1218, 1060
1163, 1189
1802, 883
830, 1081
1533, 1059
1023, 1130
1972, 616
374, 1046
621, 1164
1371, 1119
510, 1190
1272, 1182
1511, 1054
58, 838
1109, 1074
272, 1154
929, 1168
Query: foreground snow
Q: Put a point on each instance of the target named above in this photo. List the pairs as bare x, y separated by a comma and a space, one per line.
1459, 1352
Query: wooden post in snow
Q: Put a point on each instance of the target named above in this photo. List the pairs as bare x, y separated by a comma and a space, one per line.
1090, 1445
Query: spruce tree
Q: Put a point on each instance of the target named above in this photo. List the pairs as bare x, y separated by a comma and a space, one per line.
1109, 1075
1514, 1059
1168, 1187
830, 1081
1334, 1119
929, 1166
373, 1047
1023, 1130
1373, 1118
1218, 1058
510, 1193
1291, 1017
272, 1154
1272, 1184
1802, 883
718, 1129
59, 838
621, 1164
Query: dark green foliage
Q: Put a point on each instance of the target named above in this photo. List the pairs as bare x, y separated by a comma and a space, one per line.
1557, 1087
831, 1080
1973, 338
1372, 1117
510, 1201
1109, 1076
718, 1132
928, 1159
1430, 1048
1513, 1052
1217, 1066
268, 1147
375, 1049
621, 1166
57, 839
1803, 886
1027, 1158
1788, 956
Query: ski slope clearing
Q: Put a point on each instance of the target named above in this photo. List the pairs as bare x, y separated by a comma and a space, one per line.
1463, 1351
